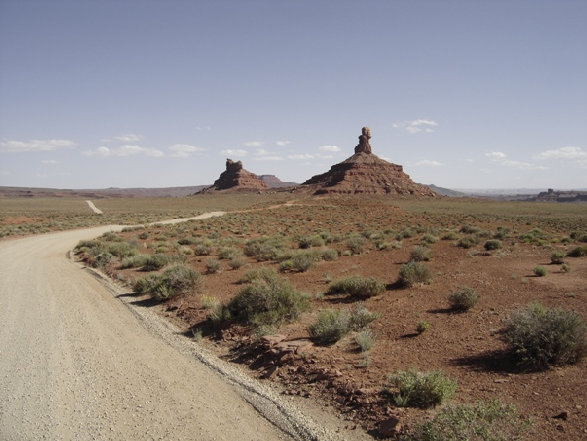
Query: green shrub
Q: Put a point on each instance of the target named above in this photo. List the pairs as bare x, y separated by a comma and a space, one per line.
414, 272
420, 254
122, 249
331, 326
300, 262
265, 273
209, 302
578, 252
360, 317
311, 241
236, 262
212, 266
557, 257
156, 262
364, 339
450, 235
357, 286
565, 268
492, 244
501, 233
421, 389
203, 249
176, 280
539, 271
470, 229
463, 299
422, 326
482, 421
468, 242
101, 260
228, 252
356, 244
133, 262
329, 254
267, 301
264, 248
539, 337
535, 236
429, 238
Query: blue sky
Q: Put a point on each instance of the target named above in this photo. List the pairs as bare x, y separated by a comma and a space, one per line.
125, 93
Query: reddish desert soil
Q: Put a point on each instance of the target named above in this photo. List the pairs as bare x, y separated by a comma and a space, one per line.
465, 346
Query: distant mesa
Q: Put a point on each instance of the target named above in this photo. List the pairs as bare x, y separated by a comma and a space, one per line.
236, 178
365, 173
273, 181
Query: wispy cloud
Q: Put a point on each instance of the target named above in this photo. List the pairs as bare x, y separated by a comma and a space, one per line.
49, 161
184, 150
428, 163
253, 144
36, 145
239, 153
124, 151
416, 126
282, 143
501, 158
300, 156
129, 137
569, 152
329, 148
268, 158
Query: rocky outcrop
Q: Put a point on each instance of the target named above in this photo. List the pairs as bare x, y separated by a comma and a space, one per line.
365, 173
273, 181
236, 178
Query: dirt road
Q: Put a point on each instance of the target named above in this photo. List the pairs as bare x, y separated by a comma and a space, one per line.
76, 363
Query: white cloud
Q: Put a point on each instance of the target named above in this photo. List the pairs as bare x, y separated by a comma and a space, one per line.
569, 152
239, 153
36, 145
268, 158
184, 150
124, 151
429, 163
262, 152
501, 158
253, 144
329, 148
300, 156
129, 137
282, 143
323, 156
48, 161
416, 126
496, 156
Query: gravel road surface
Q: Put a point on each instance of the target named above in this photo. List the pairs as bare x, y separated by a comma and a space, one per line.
77, 363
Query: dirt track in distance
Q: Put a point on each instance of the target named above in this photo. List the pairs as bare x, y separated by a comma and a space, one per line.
77, 363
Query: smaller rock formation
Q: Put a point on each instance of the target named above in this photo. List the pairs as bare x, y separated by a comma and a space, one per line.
364, 146
236, 178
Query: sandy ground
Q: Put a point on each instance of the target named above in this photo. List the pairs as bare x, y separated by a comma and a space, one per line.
77, 363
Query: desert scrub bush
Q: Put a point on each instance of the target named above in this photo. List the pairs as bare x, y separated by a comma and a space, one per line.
228, 252
557, 257
209, 302
421, 389
565, 268
357, 286
481, 421
364, 339
429, 238
463, 299
470, 229
329, 254
578, 252
264, 248
212, 266
450, 235
422, 326
300, 263
266, 302
356, 244
361, 317
535, 236
420, 253
468, 242
133, 262
203, 249
492, 244
311, 241
236, 262
501, 233
263, 273
176, 280
539, 271
539, 337
156, 262
414, 272
330, 326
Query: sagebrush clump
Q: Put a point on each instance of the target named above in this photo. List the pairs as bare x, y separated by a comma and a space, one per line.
538, 337
463, 299
421, 389
414, 272
357, 286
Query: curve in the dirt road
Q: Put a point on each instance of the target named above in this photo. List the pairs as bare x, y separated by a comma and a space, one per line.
77, 363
